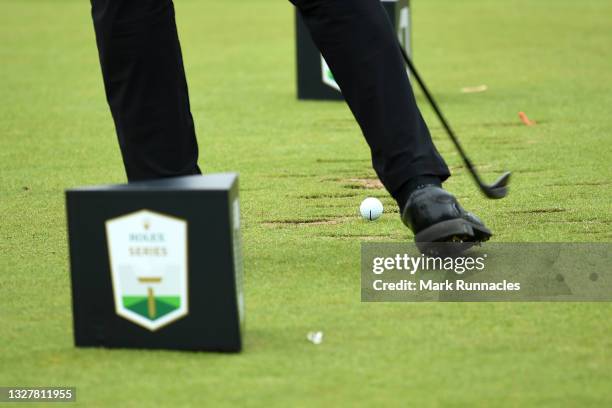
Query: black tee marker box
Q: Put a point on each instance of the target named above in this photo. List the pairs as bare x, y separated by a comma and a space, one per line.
157, 264
314, 79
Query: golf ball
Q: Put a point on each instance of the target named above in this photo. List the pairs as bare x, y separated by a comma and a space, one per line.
371, 208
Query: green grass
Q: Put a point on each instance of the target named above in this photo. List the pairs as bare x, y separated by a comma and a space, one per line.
298, 163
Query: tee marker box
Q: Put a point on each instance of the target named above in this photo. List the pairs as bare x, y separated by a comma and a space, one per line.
315, 81
157, 264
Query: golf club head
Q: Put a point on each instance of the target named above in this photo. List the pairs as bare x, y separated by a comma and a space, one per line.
499, 189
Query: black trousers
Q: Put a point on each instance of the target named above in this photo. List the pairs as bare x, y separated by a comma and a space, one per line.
147, 92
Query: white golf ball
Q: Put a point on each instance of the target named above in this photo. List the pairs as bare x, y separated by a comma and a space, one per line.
371, 208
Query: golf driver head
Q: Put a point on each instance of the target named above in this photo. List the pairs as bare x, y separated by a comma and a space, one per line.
499, 189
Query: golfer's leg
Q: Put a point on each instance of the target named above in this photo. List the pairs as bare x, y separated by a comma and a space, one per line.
358, 42
145, 86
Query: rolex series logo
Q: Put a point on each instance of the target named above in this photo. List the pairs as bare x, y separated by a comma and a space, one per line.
148, 259
326, 75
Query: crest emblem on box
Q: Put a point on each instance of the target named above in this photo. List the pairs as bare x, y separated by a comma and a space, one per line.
149, 269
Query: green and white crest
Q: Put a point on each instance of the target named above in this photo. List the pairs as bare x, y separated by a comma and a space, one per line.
148, 259
327, 76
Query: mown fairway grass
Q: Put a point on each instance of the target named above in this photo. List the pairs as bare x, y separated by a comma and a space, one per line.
306, 161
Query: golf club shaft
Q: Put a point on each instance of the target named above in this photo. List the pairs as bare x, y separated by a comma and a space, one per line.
441, 117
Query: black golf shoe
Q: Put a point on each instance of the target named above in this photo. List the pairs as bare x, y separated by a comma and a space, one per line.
440, 224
